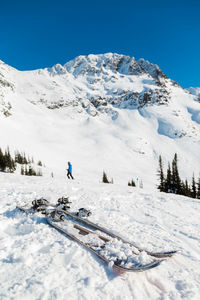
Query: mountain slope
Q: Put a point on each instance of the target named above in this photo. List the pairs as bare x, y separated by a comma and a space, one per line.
101, 112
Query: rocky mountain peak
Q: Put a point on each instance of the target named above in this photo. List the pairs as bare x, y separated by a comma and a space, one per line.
112, 62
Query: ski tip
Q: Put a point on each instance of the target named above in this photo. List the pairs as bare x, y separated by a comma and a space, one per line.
167, 253
139, 268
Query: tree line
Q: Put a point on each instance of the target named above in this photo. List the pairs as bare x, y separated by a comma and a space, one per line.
171, 182
8, 164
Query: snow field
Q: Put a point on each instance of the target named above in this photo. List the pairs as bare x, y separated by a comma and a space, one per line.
38, 262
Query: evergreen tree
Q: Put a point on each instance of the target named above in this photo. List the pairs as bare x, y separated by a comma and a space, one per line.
26, 170
105, 178
34, 172
187, 190
176, 181
16, 156
22, 170
133, 183
194, 191
198, 189
2, 161
31, 171
25, 161
161, 185
39, 163
10, 164
168, 181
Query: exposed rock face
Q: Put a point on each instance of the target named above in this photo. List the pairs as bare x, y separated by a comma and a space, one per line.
115, 81
93, 84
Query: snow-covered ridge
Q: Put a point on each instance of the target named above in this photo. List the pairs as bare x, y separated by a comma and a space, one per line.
94, 84
97, 64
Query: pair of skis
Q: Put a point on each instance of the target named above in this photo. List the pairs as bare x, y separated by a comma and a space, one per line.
59, 217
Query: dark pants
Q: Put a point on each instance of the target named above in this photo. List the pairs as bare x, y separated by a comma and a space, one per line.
69, 175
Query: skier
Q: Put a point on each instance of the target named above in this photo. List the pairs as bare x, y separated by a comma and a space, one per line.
69, 174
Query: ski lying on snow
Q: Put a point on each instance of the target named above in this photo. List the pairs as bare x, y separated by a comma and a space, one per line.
97, 227
116, 265
48, 207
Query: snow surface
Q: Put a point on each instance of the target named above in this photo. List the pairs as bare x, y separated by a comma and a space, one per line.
194, 91
38, 262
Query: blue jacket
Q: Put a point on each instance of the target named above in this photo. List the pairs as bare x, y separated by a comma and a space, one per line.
70, 168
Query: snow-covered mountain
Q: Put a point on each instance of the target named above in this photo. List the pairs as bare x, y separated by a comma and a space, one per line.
111, 107
102, 112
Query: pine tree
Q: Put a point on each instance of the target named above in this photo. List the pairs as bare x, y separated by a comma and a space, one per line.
133, 183
22, 170
105, 178
194, 191
161, 185
2, 161
187, 191
198, 189
176, 181
168, 181
25, 161
26, 171
16, 156
10, 164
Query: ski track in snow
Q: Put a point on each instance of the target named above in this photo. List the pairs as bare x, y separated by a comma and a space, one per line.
38, 262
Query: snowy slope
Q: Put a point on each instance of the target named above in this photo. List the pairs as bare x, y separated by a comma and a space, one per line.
37, 262
194, 91
111, 107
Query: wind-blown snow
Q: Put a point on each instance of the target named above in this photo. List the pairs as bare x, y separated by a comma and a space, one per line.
38, 262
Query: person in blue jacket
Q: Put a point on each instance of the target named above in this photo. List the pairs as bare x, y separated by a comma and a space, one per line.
69, 174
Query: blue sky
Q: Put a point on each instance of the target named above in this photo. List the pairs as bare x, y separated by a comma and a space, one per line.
37, 34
